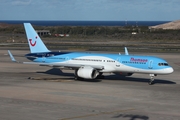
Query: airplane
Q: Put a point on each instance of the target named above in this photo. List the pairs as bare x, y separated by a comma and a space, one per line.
89, 65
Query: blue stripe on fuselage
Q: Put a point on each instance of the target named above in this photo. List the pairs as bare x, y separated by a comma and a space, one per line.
33, 56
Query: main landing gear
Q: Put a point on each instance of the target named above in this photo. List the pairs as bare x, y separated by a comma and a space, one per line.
151, 81
100, 76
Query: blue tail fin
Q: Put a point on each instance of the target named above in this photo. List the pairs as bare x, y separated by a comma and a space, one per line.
36, 45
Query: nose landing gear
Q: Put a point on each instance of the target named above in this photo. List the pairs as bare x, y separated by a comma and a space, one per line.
151, 81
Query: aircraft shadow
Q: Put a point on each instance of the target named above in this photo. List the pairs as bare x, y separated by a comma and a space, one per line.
132, 79
132, 117
58, 72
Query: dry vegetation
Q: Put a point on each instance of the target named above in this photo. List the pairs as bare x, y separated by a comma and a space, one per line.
97, 38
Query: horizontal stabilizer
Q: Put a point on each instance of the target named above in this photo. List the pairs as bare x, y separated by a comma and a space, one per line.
11, 56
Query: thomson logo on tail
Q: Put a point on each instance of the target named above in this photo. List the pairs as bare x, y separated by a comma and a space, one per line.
32, 44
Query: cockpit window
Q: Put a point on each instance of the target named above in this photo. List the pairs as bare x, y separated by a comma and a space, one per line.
162, 64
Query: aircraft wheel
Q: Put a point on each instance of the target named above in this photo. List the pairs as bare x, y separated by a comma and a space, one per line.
100, 77
151, 82
78, 78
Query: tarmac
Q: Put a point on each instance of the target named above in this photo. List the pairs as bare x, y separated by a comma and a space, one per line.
31, 92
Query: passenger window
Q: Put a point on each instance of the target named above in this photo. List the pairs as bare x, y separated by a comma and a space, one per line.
159, 64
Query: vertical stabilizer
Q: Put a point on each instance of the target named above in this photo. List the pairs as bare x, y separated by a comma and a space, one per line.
36, 45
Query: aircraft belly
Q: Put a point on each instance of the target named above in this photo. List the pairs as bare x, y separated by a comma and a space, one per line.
125, 68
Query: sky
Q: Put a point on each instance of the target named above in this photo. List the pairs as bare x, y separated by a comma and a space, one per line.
91, 10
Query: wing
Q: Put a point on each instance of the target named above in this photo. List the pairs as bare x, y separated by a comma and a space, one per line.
60, 65
64, 65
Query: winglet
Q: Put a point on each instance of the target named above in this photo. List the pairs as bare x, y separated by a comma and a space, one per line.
126, 51
11, 56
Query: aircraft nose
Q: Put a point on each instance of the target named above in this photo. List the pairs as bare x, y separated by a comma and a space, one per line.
169, 70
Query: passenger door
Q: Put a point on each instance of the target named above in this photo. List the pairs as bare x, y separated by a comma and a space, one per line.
118, 62
150, 66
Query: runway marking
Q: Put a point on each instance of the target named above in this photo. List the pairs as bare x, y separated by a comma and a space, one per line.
96, 114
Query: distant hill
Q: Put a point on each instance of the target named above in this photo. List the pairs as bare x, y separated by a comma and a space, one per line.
171, 26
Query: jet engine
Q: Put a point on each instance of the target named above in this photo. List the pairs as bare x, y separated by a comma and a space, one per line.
86, 72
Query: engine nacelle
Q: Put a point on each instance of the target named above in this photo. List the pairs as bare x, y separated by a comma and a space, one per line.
123, 73
87, 72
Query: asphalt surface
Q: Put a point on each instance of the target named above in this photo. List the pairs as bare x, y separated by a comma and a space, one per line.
31, 92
